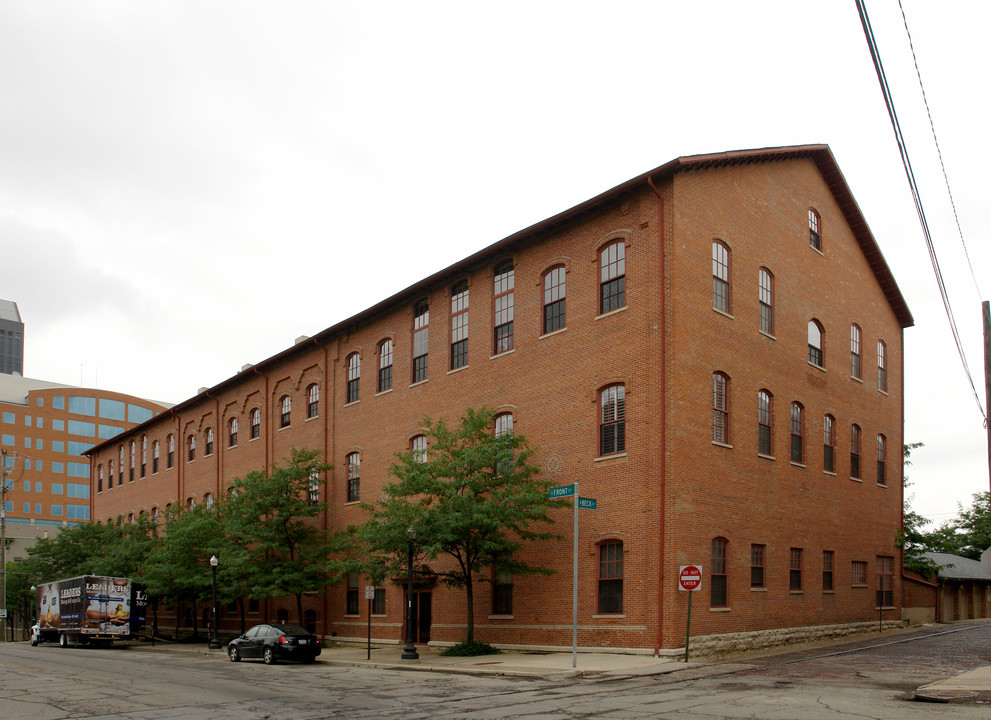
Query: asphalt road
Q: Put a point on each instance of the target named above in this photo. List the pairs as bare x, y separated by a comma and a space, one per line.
868, 679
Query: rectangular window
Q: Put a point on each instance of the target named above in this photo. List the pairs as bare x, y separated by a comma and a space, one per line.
885, 581
881, 460
111, 409
378, 604
610, 598
77, 490
354, 378
797, 434
717, 578
554, 297
421, 334
57, 510
77, 512
720, 277
858, 572
795, 569
459, 325
503, 299
766, 301
757, 566
351, 605
56, 488
82, 405
855, 352
502, 588
827, 570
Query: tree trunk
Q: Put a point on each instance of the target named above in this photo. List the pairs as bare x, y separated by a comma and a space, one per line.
299, 608
240, 603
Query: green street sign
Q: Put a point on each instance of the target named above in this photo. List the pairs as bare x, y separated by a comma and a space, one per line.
562, 491
586, 503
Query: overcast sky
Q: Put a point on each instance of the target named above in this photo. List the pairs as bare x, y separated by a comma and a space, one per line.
186, 187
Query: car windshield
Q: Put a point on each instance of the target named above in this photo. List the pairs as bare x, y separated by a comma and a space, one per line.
292, 630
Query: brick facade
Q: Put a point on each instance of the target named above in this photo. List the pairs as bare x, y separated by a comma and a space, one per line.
673, 489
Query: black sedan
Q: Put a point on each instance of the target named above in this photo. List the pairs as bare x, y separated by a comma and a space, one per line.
272, 643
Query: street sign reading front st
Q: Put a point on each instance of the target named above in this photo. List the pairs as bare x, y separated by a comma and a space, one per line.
690, 577
562, 491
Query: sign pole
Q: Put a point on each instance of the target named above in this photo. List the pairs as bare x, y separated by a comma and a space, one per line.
688, 625
370, 596
574, 589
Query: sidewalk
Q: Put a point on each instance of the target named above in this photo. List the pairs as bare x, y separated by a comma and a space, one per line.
966, 687
546, 665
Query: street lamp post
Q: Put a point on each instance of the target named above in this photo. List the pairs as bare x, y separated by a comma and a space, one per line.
214, 642
409, 651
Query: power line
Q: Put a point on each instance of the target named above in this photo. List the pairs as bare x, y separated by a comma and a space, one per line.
916, 197
939, 151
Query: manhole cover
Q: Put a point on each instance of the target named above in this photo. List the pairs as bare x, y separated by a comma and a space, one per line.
945, 695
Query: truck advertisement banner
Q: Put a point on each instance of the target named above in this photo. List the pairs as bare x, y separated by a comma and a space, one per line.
88, 605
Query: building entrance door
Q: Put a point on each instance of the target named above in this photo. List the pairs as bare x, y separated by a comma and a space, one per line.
421, 616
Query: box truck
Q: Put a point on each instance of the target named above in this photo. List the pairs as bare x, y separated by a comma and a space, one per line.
89, 608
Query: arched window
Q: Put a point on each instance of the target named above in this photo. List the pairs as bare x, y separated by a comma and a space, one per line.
797, 433
354, 378
612, 420
459, 325
208, 501
285, 413
855, 351
829, 443
554, 297
208, 449
717, 578
120, 465
232, 432
190, 503
612, 277
313, 401
764, 435
855, 451
354, 477
110, 474
144, 455
313, 494
191, 448
156, 451
170, 457
418, 446
817, 355
131, 448
882, 366
385, 365
504, 300
99, 478
421, 339
504, 426
721, 297
610, 596
256, 423
765, 298
815, 240
720, 407
882, 456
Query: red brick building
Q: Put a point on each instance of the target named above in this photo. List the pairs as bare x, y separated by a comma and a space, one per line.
713, 349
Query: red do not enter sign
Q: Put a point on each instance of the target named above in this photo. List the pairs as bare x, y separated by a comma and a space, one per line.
690, 577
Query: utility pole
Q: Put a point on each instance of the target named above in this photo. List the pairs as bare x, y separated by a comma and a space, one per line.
986, 308
3, 537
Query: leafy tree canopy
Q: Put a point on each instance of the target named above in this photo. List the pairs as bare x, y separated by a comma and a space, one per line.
473, 498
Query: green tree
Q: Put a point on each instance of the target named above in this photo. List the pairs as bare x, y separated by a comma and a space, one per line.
913, 539
271, 518
78, 550
973, 527
472, 498
178, 566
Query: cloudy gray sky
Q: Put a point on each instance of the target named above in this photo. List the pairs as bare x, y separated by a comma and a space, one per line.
188, 186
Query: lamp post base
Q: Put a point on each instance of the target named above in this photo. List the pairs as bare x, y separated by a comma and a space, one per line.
409, 652
214, 644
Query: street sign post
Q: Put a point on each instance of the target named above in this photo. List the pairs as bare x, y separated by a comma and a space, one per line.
563, 491
689, 579
370, 597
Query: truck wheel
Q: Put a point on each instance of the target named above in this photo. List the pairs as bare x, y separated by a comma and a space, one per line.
34, 641
63, 640
269, 656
